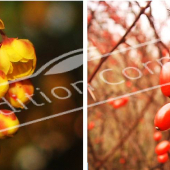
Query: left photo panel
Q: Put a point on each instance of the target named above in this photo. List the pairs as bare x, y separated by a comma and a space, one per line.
41, 85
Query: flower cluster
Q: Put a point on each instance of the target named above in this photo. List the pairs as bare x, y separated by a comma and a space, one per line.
17, 61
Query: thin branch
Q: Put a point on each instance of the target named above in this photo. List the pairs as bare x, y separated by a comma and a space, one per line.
149, 16
91, 148
120, 41
92, 17
160, 166
115, 148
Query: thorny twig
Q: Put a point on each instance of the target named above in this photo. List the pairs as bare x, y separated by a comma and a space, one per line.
150, 19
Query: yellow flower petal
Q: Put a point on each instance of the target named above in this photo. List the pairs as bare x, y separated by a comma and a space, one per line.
4, 61
23, 48
3, 84
10, 69
21, 69
21, 58
11, 52
24, 60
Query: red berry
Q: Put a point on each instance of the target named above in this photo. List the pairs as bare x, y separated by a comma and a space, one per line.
142, 120
128, 84
164, 52
91, 125
162, 118
116, 18
110, 101
134, 89
162, 158
89, 18
157, 136
122, 161
165, 78
163, 147
120, 102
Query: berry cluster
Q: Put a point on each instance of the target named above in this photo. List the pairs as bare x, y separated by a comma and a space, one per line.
162, 118
17, 60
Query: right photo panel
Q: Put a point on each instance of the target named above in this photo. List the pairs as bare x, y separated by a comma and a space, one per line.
128, 85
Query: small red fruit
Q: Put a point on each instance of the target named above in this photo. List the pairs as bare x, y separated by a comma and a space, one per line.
162, 118
164, 52
165, 78
162, 158
110, 101
91, 125
163, 147
157, 136
122, 161
128, 84
120, 102
89, 18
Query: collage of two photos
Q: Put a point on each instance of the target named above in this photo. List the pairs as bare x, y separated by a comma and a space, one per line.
85, 85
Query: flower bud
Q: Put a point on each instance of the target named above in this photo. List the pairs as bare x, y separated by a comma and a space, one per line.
8, 121
17, 93
17, 58
3, 84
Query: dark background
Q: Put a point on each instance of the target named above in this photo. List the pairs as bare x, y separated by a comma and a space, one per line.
54, 28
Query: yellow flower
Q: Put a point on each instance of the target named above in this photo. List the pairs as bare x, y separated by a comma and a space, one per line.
8, 120
3, 84
18, 91
17, 58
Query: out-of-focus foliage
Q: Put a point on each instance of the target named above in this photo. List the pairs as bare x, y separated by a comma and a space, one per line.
122, 138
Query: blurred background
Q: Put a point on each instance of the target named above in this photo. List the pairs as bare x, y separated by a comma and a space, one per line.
54, 28
121, 133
